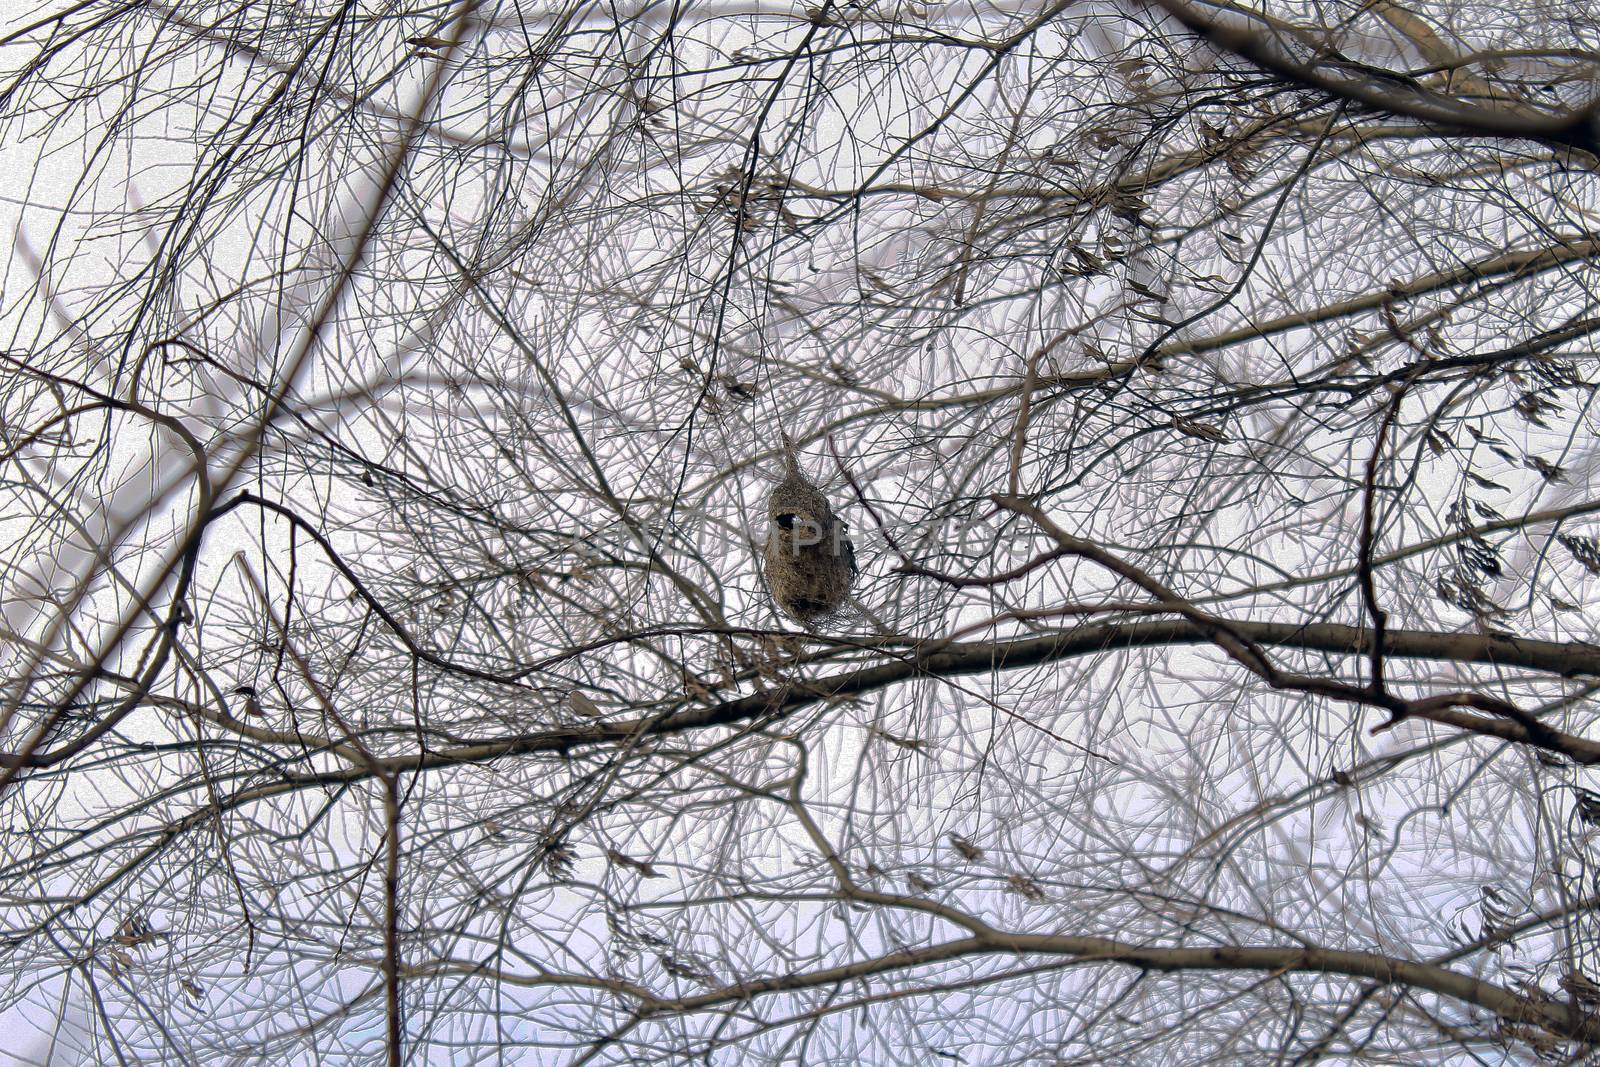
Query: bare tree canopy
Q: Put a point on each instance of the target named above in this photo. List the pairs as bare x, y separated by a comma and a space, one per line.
393, 392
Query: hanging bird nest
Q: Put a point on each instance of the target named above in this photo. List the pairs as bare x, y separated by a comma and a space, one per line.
809, 559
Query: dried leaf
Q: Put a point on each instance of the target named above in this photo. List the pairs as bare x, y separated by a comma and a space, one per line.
680, 969
558, 860
1025, 886
1586, 550
1484, 483
641, 866
906, 743
1534, 408
1550, 472
1088, 261
1204, 431
1478, 553
134, 931
1588, 805
1463, 592
967, 850
1582, 987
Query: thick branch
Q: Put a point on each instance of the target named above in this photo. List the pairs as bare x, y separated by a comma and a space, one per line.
1389, 92
1553, 1017
955, 659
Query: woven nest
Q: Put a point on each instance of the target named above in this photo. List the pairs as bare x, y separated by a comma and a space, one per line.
809, 559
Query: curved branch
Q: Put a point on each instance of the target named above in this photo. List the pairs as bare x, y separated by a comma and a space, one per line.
1389, 91
956, 659
1554, 1017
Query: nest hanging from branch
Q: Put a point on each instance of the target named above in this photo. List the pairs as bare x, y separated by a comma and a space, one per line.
809, 559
